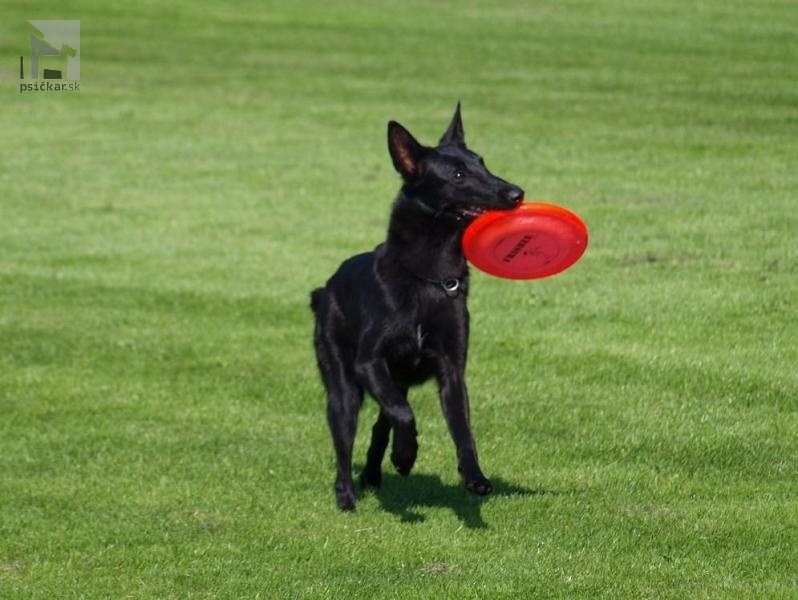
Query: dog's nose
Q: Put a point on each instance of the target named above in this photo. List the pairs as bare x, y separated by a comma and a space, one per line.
514, 194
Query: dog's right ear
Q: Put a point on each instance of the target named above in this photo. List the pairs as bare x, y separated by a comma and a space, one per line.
405, 151
454, 133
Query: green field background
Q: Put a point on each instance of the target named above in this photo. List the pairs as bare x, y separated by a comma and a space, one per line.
162, 430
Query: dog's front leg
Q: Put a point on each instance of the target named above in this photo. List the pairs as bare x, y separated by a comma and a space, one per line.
454, 403
375, 376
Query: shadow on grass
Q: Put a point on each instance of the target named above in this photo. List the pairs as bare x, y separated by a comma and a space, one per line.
403, 495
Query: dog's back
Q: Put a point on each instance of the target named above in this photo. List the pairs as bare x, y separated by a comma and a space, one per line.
343, 296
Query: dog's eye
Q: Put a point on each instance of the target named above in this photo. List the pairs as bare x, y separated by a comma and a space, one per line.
459, 175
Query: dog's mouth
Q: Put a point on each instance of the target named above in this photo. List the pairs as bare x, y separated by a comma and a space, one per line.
471, 212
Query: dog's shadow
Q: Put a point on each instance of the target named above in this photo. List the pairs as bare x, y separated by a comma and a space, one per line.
402, 496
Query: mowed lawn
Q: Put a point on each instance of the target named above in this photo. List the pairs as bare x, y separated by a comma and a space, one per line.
162, 428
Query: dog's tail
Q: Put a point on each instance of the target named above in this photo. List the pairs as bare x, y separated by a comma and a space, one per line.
316, 298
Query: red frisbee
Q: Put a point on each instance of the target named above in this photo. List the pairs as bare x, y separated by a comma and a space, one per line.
532, 241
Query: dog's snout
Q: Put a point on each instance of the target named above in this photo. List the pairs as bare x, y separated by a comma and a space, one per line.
514, 195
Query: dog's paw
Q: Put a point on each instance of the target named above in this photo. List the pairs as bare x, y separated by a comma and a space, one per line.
345, 497
371, 478
346, 502
403, 453
480, 486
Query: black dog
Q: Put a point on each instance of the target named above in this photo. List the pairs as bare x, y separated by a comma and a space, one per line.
393, 318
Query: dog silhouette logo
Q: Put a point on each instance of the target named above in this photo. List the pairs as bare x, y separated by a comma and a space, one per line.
54, 50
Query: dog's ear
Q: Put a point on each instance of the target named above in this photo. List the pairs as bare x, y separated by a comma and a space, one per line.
454, 134
405, 151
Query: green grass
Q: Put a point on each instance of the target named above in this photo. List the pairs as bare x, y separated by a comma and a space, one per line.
162, 429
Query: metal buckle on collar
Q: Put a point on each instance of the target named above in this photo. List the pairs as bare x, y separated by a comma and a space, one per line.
451, 287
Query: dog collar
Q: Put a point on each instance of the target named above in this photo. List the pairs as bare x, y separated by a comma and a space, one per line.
450, 287
426, 208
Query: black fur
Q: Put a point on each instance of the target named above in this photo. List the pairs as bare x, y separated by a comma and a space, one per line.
393, 318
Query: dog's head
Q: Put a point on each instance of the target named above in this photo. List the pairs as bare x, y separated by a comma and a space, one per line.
449, 179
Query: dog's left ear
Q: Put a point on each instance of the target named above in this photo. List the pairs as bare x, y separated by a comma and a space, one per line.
454, 134
406, 152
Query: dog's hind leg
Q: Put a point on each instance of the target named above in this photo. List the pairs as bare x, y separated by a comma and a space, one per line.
380, 434
342, 409
344, 398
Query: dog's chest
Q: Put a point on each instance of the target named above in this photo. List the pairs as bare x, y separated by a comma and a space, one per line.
409, 349
409, 356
